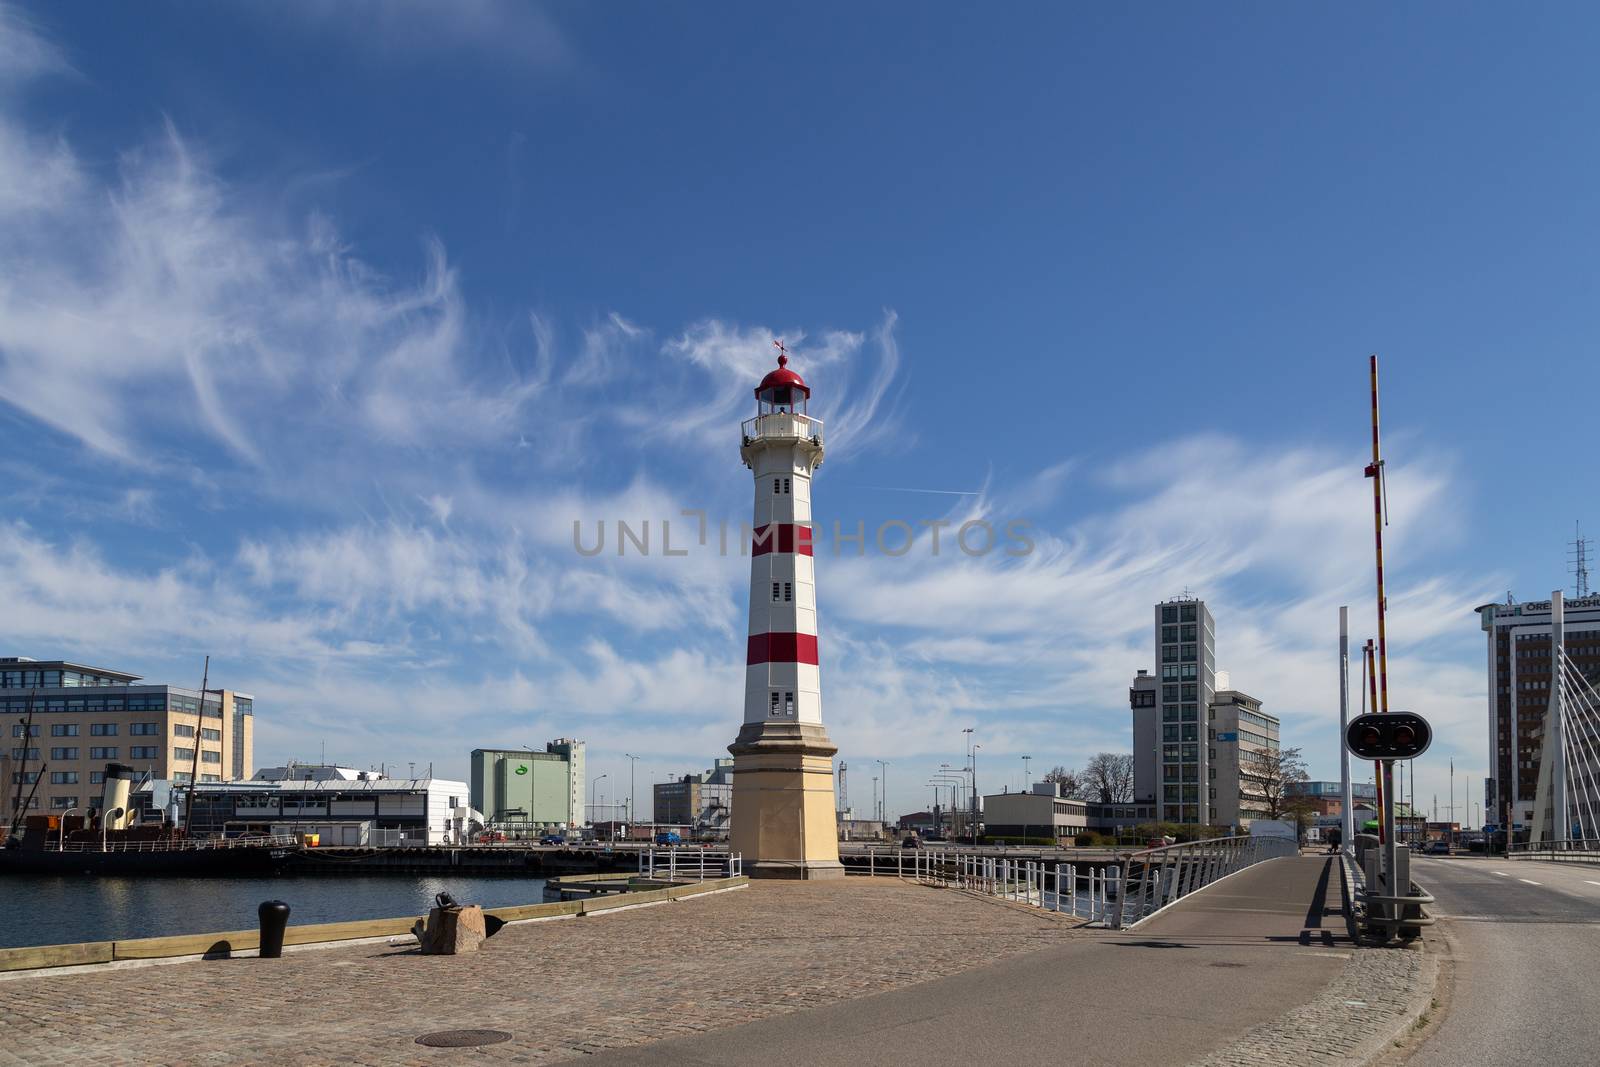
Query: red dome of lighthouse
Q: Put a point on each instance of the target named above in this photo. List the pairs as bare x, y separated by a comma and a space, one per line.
782, 378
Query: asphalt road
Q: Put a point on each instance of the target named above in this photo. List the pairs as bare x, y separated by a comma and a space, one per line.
1192, 979
1527, 951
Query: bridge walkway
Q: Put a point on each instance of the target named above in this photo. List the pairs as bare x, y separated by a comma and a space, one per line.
1189, 980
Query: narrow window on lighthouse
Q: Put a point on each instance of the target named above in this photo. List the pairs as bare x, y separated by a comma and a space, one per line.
777, 485
774, 702
787, 592
788, 703
786, 485
774, 592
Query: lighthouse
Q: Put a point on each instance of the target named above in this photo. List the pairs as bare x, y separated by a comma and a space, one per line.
783, 806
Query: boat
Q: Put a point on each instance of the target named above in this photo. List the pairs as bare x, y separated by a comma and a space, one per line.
48, 849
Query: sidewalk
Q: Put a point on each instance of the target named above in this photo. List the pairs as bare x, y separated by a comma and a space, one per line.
1190, 980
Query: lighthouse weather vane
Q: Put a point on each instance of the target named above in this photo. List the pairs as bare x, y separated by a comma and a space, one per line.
783, 353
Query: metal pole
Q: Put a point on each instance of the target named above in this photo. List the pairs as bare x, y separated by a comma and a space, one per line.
1348, 822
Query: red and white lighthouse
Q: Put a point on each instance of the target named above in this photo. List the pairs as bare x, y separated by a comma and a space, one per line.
783, 803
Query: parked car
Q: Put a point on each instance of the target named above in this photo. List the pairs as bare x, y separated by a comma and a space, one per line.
552, 839
1437, 848
489, 837
911, 841
668, 837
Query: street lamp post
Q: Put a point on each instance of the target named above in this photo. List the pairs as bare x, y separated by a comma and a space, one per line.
632, 762
593, 811
1024, 802
883, 803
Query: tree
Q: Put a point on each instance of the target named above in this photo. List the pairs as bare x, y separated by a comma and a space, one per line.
1108, 778
1071, 781
1271, 776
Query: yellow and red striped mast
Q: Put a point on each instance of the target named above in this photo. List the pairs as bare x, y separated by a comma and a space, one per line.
1380, 697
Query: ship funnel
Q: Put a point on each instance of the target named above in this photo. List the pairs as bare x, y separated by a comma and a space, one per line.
114, 801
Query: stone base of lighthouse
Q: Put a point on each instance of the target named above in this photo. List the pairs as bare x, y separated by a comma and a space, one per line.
784, 822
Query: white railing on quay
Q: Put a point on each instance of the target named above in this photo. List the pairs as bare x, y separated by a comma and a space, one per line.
184, 844
1565, 850
1158, 877
1088, 893
675, 863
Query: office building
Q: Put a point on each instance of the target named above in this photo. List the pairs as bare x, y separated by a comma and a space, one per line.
1173, 773
1327, 798
1238, 735
1045, 811
85, 717
703, 802
518, 788
1519, 669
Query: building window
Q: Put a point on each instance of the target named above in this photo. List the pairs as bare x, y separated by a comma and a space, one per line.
1169, 713
1169, 692
63, 777
1169, 614
1169, 633
21, 728
209, 756
102, 729
97, 777
1188, 633
1188, 613
1169, 653
210, 778
774, 592
777, 486
63, 729
64, 753
183, 753
788, 703
180, 730
1188, 654
786, 485
775, 698
24, 777
145, 729
25, 753
63, 803
1169, 732
788, 592
102, 753
143, 752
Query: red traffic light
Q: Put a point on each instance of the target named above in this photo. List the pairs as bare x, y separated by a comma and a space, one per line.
1401, 735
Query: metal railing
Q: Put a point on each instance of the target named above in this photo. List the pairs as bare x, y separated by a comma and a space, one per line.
690, 864
781, 424
1061, 887
185, 844
1565, 850
1157, 877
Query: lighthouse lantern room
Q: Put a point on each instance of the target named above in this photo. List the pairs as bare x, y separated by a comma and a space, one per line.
783, 803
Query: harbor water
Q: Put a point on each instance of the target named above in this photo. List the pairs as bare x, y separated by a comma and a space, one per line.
49, 911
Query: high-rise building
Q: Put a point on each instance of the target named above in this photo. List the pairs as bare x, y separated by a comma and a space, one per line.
1520, 671
86, 717
521, 788
1185, 647
1241, 741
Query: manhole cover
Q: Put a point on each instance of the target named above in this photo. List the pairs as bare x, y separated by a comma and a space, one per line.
463, 1038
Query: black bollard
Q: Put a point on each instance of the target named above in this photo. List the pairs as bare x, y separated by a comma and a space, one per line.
274, 918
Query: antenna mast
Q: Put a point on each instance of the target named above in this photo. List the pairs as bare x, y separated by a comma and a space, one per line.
1578, 561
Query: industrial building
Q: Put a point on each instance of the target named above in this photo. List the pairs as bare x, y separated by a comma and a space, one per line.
703, 802
520, 789
84, 717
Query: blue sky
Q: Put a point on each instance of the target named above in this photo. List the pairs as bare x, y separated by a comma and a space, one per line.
320, 325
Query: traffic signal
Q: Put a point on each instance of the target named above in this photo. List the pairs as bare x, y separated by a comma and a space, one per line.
1398, 735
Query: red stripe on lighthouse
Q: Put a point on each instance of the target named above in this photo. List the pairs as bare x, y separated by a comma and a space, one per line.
781, 537
783, 648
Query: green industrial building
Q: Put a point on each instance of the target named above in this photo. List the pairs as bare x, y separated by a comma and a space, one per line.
522, 789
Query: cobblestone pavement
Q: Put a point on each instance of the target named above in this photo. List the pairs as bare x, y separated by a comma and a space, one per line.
563, 989
1379, 994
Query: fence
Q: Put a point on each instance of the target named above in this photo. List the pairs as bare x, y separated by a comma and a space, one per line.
181, 844
1566, 850
1157, 877
690, 864
1061, 887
